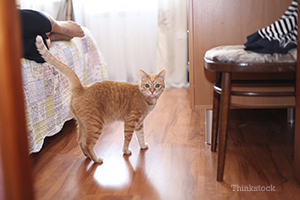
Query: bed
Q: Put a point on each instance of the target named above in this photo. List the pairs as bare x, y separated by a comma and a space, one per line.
47, 91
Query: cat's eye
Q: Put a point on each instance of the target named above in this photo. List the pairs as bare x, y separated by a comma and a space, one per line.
157, 85
147, 85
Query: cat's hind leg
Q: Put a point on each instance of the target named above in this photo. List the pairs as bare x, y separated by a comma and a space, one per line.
90, 127
140, 136
92, 133
90, 143
81, 138
80, 131
128, 132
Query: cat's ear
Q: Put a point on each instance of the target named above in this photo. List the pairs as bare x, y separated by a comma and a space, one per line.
162, 74
143, 74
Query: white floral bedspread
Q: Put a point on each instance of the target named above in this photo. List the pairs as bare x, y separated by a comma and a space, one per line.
47, 91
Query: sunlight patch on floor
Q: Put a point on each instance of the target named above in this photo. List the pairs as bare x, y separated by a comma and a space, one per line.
113, 173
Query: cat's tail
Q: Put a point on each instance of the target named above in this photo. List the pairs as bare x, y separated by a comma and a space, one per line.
63, 68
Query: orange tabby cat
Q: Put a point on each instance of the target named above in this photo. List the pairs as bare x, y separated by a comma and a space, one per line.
104, 102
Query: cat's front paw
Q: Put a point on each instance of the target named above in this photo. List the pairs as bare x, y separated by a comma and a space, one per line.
127, 151
145, 146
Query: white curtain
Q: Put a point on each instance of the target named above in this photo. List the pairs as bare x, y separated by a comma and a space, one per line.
49, 6
126, 32
133, 34
172, 41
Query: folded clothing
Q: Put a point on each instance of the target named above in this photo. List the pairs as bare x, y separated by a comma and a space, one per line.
279, 37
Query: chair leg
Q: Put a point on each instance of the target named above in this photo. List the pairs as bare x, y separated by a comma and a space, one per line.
215, 122
223, 123
291, 115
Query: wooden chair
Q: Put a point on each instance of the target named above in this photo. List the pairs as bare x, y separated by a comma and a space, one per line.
228, 60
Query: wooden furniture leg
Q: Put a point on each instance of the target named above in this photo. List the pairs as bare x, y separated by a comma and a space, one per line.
15, 162
216, 112
215, 122
223, 123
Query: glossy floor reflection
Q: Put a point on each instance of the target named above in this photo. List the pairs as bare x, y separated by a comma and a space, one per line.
114, 175
120, 175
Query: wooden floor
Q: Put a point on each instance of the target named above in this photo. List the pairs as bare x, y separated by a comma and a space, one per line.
178, 164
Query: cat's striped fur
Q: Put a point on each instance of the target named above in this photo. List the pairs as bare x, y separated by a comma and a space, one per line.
104, 102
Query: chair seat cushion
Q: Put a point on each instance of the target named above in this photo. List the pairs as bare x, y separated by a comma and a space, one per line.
237, 54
